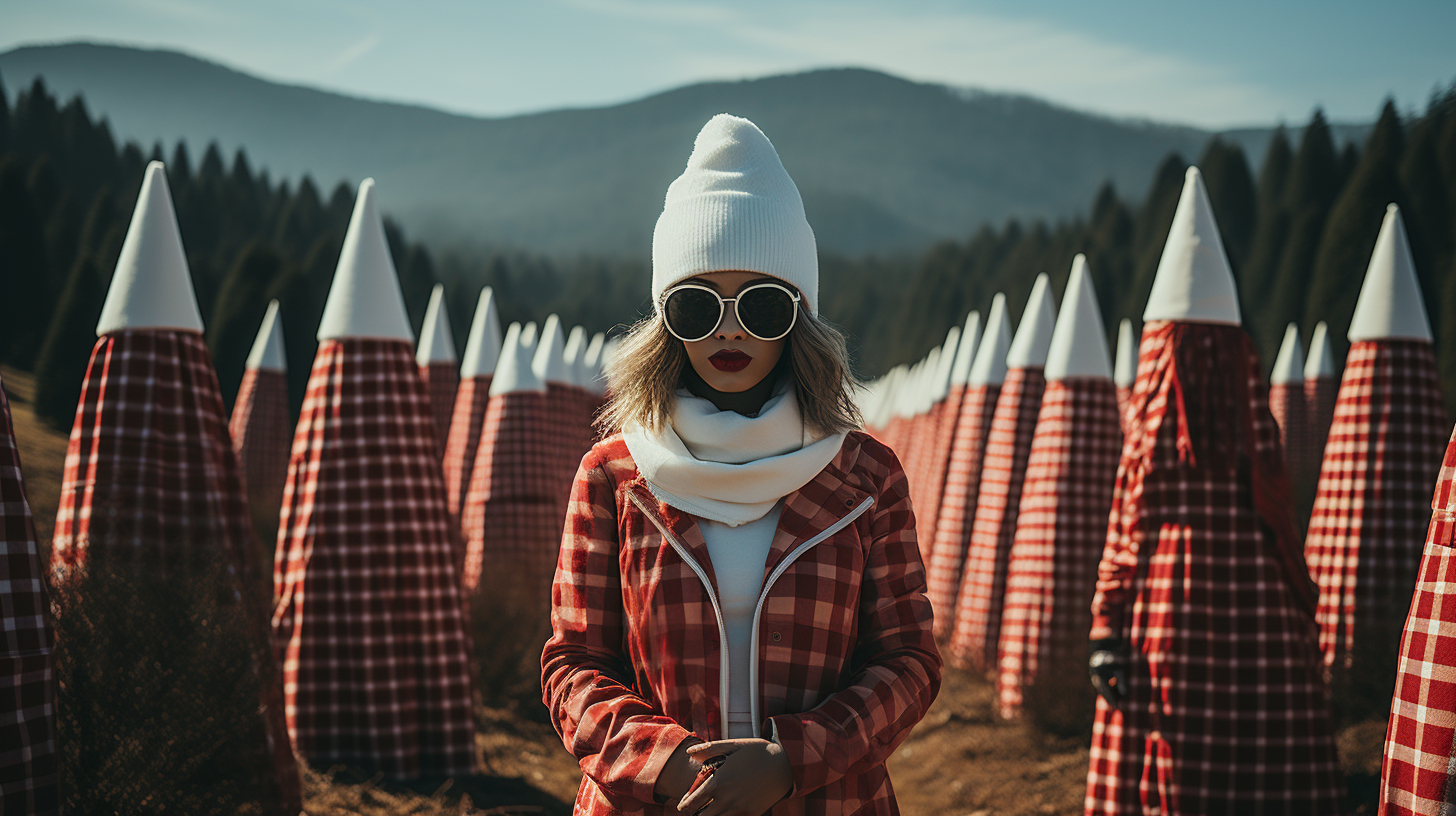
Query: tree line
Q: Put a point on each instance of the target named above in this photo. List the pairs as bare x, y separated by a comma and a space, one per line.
1298, 233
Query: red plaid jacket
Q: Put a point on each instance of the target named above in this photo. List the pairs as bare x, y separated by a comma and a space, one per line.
845, 663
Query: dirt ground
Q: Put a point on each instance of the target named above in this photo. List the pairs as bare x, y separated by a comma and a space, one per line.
960, 760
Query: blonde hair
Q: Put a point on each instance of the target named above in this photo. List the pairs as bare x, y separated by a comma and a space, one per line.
649, 364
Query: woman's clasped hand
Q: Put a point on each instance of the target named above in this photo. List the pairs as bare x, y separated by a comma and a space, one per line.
751, 776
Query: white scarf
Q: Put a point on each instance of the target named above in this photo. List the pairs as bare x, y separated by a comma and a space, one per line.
727, 467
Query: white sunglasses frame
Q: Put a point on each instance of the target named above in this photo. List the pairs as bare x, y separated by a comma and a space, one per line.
722, 309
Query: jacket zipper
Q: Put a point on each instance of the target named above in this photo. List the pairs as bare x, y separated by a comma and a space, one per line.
773, 577
683, 553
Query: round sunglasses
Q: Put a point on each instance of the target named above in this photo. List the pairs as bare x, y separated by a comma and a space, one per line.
765, 310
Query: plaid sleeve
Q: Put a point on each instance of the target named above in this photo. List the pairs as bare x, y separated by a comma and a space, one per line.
1117, 572
621, 740
896, 666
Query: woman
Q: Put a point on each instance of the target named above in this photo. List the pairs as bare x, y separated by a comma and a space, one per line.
739, 618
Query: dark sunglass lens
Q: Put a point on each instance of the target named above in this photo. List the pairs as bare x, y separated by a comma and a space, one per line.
692, 313
766, 311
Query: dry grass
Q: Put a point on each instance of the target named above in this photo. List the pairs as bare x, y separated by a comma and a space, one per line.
961, 759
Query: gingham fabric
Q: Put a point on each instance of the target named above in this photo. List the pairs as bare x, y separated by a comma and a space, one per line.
370, 616
27, 669
922, 452
1319, 399
262, 432
958, 503
983, 581
465, 426
1226, 709
442, 381
1287, 406
513, 510
1124, 407
151, 481
1371, 511
847, 664
1418, 777
1060, 529
939, 461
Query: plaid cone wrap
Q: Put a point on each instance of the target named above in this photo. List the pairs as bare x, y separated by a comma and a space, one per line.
514, 508
983, 581
1320, 395
958, 505
261, 428
1124, 407
847, 664
370, 614
1417, 773
28, 782
1060, 529
939, 461
151, 481
922, 451
1226, 710
1370, 510
442, 381
465, 426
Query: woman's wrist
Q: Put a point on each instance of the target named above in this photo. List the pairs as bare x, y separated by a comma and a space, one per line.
678, 774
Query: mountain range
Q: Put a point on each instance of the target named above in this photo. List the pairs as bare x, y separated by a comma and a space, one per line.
883, 163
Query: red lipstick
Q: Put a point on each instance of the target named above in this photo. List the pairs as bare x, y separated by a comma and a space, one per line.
730, 360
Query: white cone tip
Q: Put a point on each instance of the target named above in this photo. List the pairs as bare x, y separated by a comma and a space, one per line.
549, 364
1390, 305
267, 353
990, 365
594, 361
575, 355
1034, 335
365, 299
528, 334
1321, 361
1079, 342
1289, 365
947, 362
1125, 372
436, 345
483, 346
152, 287
965, 354
1194, 283
514, 373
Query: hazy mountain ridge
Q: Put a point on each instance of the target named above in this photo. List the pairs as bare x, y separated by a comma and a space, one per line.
925, 161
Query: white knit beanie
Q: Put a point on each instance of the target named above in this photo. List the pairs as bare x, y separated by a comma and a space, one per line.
734, 208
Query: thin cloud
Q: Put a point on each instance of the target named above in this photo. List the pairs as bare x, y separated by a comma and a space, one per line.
352, 53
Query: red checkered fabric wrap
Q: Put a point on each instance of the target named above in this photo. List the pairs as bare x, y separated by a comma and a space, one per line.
1201, 580
465, 426
1417, 776
897, 435
1124, 406
922, 451
514, 509
151, 481
847, 664
370, 616
1060, 530
958, 504
27, 669
983, 581
442, 381
939, 462
1320, 396
1371, 510
262, 432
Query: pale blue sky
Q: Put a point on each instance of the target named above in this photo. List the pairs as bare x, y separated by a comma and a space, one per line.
1217, 64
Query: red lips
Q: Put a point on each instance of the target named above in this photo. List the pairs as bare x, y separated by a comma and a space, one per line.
730, 360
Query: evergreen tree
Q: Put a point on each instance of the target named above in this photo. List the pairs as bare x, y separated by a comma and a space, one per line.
1354, 223
1256, 280
237, 313
1231, 191
61, 366
25, 301
4, 120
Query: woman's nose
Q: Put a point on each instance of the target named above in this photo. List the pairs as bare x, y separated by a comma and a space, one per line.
728, 328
